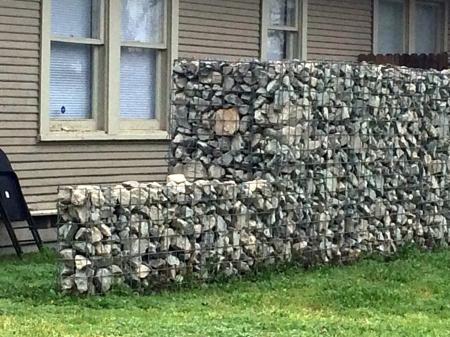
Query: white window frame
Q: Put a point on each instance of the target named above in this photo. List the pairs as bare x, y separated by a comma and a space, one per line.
300, 27
106, 123
410, 27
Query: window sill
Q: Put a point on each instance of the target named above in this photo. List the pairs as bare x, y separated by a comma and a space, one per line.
102, 136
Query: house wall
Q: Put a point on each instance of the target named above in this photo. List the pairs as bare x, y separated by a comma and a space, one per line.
339, 30
219, 29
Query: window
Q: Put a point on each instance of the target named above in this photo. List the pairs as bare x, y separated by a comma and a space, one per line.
410, 26
106, 68
283, 29
391, 32
428, 27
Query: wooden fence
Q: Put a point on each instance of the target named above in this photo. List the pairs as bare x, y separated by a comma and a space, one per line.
421, 61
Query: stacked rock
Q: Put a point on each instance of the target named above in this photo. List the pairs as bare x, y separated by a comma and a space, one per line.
276, 162
361, 150
147, 235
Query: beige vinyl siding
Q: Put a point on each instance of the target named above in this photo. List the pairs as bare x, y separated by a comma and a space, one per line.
217, 29
42, 167
339, 30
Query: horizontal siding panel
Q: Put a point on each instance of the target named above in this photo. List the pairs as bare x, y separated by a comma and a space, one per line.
339, 30
19, 77
18, 29
224, 16
17, 134
19, 125
26, 4
21, 101
19, 45
19, 86
60, 165
19, 53
343, 47
17, 116
205, 21
330, 57
326, 33
332, 28
344, 4
18, 93
19, 21
87, 172
20, 13
7, 69
19, 37
229, 45
244, 4
4, 141
19, 109
219, 29
82, 157
247, 13
188, 28
93, 147
222, 37
191, 51
333, 9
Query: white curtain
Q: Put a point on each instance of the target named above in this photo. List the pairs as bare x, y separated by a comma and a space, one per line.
72, 18
142, 20
137, 83
70, 81
276, 45
282, 12
391, 27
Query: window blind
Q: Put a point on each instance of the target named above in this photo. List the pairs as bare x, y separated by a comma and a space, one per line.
70, 81
137, 83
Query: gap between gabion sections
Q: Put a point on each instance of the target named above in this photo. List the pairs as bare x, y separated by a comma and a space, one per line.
353, 159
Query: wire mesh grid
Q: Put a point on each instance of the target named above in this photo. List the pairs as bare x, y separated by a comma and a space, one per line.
281, 162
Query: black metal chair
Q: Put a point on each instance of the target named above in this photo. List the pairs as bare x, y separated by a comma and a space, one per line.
13, 206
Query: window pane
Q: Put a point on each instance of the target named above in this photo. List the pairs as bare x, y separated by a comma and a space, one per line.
281, 45
74, 18
142, 20
137, 83
282, 12
70, 81
391, 27
427, 28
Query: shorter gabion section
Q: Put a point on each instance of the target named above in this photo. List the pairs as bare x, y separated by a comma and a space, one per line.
149, 235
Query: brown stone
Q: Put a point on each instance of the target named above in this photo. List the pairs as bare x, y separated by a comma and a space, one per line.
227, 122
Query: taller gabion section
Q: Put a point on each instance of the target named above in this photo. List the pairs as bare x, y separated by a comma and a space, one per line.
352, 146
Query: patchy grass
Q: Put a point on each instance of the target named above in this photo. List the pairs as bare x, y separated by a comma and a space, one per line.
405, 297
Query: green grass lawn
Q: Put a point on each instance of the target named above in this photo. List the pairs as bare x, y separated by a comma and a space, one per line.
409, 296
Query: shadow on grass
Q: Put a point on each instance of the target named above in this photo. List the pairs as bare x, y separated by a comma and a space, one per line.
411, 281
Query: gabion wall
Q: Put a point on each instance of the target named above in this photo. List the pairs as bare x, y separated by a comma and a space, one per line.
309, 162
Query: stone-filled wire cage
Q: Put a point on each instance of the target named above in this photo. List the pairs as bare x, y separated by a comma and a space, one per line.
271, 163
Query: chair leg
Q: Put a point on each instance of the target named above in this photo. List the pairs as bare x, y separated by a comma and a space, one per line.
34, 232
11, 232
